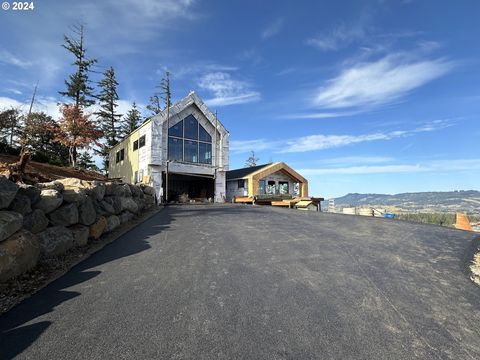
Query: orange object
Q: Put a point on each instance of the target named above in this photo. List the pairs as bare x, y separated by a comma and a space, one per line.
462, 222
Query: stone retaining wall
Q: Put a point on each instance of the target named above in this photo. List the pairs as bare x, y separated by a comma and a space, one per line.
47, 219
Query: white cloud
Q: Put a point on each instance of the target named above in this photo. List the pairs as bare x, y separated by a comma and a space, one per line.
322, 142
272, 29
227, 90
344, 160
337, 38
320, 115
432, 166
379, 82
49, 105
10, 59
376, 169
243, 146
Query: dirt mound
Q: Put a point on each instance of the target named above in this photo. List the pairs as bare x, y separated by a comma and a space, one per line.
45, 172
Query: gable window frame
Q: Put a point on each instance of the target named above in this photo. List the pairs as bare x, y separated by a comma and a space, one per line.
135, 145
202, 140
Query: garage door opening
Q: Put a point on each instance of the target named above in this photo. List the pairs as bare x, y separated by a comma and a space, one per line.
196, 187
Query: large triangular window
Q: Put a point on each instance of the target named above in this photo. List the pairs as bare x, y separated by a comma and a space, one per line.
188, 141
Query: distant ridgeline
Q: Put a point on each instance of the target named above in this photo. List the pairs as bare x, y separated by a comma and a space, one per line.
449, 201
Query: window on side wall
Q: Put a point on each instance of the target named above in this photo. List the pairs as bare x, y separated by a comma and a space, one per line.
120, 155
135, 145
141, 141
283, 187
241, 183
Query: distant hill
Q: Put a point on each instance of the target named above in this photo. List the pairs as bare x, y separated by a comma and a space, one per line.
449, 201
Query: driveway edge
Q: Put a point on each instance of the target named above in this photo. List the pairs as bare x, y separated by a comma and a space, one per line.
24, 286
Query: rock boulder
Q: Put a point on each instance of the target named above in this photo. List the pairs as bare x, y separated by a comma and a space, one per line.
112, 223
86, 212
32, 192
65, 215
35, 221
129, 204
10, 222
80, 234
8, 190
21, 204
125, 217
18, 254
55, 241
50, 199
98, 228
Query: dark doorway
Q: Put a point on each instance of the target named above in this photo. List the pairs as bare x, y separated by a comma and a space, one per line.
197, 187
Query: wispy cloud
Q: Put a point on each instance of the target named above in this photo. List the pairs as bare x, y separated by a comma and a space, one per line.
10, 59
379, 82
339, 37
452, 165
323, 142
272, 29
364, 159
244, 146
319, 115
227, 90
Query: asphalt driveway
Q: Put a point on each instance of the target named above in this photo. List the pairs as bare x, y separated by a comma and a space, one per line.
244, 282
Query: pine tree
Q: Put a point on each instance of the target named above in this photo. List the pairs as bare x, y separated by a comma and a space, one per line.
107, 115
38, 134
252, 160
85, 161
154, 105
131, 120
78, 88
10, 126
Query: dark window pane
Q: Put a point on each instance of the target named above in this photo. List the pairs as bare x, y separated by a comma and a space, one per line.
135, 145
191, 127
204, 135
191, 151
205, 153
241, 183
141, 141
261, 187
176, 130
175, 149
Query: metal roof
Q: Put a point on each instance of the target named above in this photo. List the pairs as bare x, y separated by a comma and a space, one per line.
244, 172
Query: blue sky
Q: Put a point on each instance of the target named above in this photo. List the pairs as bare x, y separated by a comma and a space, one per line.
359, 96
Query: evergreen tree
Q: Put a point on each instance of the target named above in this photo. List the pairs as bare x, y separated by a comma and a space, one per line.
85, 161
78, 88
252, 160
38, 134
164, 94
107, 115
10, 127
131, 121
154, 105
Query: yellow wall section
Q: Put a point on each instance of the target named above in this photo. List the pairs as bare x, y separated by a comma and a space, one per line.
126, 168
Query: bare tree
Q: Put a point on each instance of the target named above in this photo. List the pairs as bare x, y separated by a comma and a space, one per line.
252, 160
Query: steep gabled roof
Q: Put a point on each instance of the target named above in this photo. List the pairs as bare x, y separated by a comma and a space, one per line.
244, 172
190, 99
